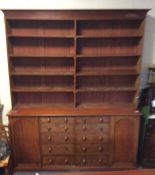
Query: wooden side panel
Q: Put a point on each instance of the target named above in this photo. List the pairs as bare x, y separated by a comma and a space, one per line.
25, 140
125, 133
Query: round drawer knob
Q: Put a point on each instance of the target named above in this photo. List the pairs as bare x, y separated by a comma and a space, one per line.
84, 161
99, 160
50, 161
48, 120
49, 138
84, 149
101, 138
101, 120
84, 128
50, 150
84, 138
66, 161
66, 119
100, 148
66, 128
66, 138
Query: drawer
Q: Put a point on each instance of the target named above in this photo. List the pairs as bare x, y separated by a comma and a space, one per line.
100, 119
92, 128
48, 138
91, 138
92, 148
52, 127
92, 160
57, 149
58, 160
57, 120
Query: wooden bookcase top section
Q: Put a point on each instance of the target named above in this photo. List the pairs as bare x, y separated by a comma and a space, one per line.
74, 58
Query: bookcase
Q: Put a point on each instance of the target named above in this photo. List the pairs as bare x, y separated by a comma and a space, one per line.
74, 80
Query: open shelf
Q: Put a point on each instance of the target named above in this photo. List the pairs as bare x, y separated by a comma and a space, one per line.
111, 28
75, 60
41, 27
100, 46
58, 64
119, 98
118, 82
42, 46
108, 71
44, 98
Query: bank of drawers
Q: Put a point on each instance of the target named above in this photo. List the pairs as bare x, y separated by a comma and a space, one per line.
82, 141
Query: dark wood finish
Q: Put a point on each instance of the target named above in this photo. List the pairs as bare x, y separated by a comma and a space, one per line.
25, 142
74, 78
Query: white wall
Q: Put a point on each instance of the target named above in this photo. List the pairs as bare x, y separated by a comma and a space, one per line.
149, 38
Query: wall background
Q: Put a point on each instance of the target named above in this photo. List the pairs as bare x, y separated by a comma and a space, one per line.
148, 56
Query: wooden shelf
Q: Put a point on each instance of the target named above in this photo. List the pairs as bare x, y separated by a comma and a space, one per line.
103, 105
132, 54
41, 73
39, 36
42, 89
40, 56
105, 89
110, 36
96, 54
110, 71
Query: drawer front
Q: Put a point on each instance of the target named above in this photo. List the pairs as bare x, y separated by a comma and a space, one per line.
92, 148
57, 149
92, 138
57, 120
92, 160
50, 127
58, 160
91, 128
84, 120
50, 138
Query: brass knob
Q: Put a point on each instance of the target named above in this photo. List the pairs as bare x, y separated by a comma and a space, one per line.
101, 120
84, 149
84, 138
49, 138
84, 161
99, 160
50, 161
66, 138
100, 148
50, 150
66, 128
66, 119
66, 161
101, 138
48, 120
84, 128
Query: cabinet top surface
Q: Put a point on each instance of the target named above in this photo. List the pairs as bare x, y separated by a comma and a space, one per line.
57, 111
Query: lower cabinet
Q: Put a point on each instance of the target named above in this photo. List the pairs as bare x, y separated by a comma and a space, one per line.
67, 142
25, 142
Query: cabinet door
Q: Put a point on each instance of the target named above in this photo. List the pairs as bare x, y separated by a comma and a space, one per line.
25, 142
125, 131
